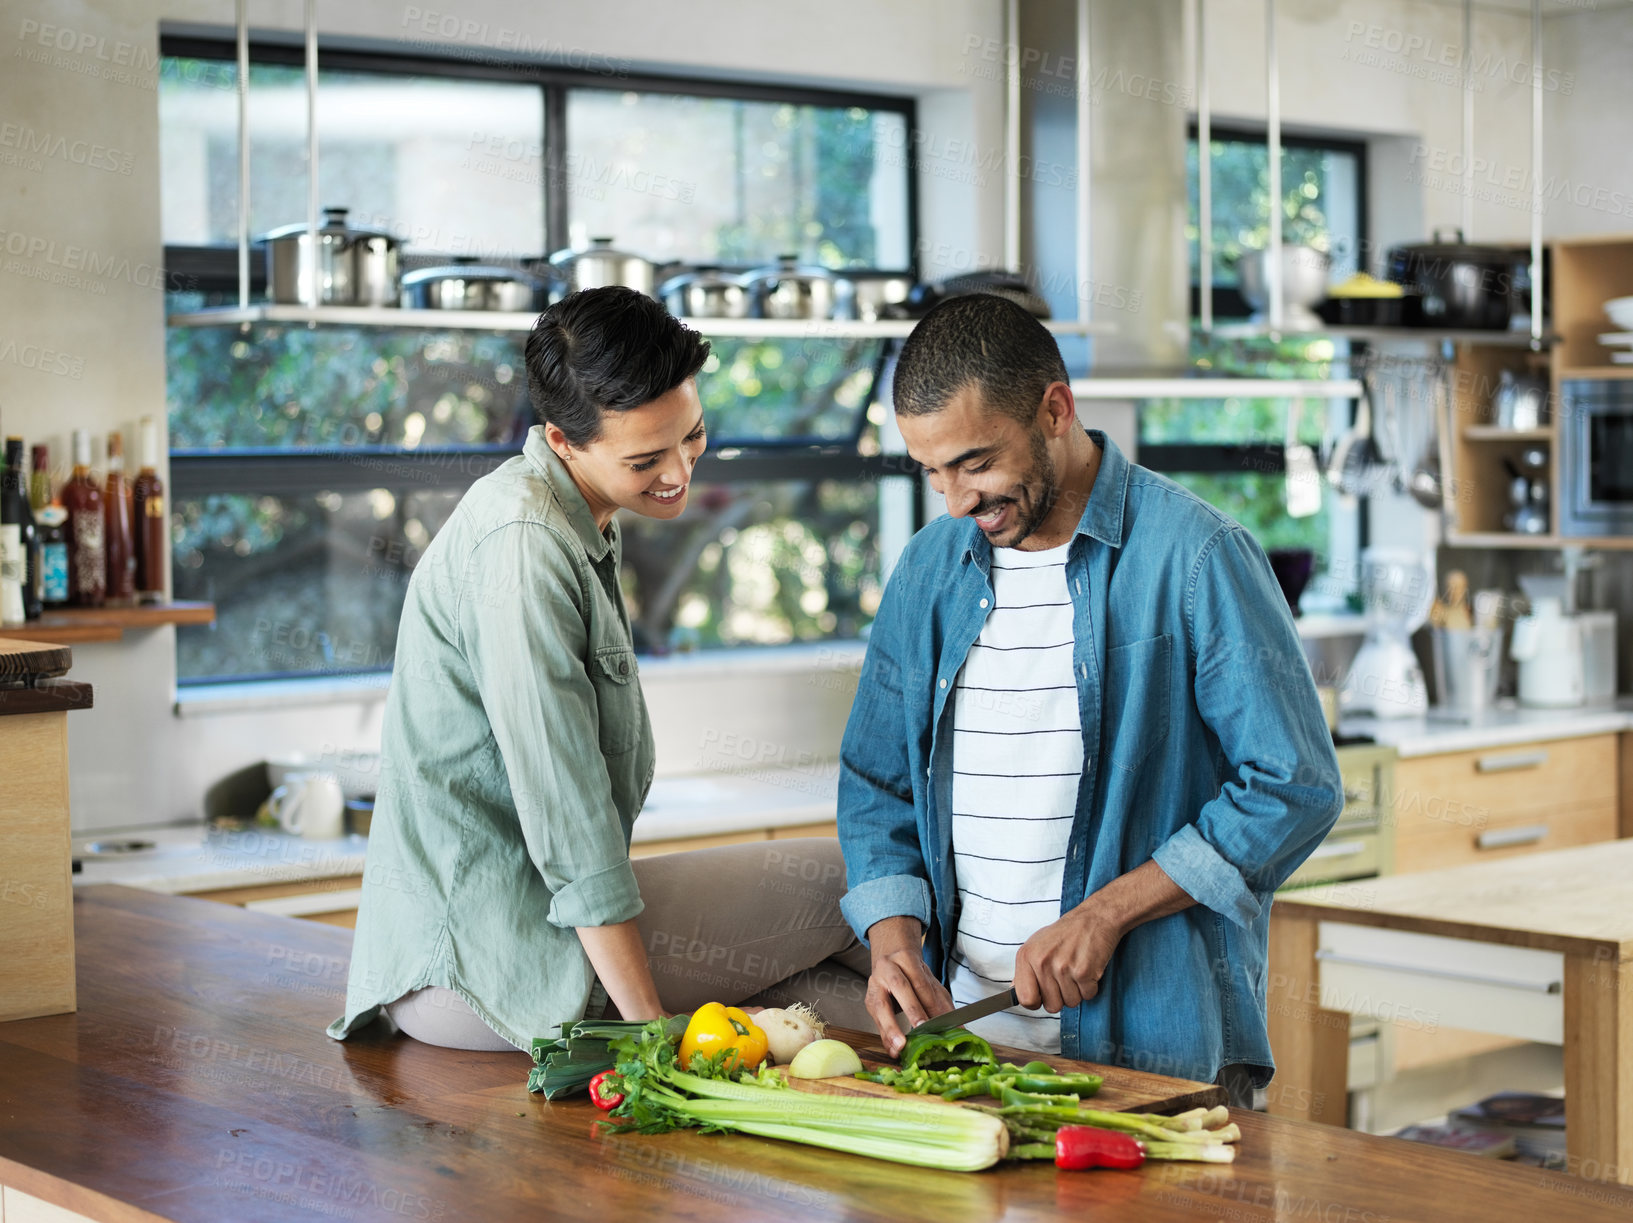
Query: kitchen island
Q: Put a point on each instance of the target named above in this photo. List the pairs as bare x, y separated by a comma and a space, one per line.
195, 1083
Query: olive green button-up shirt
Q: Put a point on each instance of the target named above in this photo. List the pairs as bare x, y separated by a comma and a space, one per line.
516, 753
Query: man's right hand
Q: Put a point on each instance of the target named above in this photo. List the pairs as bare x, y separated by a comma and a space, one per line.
900, 980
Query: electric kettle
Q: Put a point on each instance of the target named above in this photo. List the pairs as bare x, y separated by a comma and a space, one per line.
1548, 646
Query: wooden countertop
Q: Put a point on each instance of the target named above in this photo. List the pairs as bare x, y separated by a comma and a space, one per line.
1575, 901
195, 1083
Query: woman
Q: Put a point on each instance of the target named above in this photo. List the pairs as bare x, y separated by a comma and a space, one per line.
499, 898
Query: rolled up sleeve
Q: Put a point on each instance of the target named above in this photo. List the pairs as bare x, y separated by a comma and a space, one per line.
1253, 688
524, 633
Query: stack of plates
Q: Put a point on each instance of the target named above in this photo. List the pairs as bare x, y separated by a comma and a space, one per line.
1620, 312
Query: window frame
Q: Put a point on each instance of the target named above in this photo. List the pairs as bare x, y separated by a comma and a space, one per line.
271, 471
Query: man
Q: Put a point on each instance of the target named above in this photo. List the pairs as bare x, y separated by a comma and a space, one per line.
1086, 747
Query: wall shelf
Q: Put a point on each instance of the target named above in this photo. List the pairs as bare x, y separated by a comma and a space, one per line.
77, 625
1496, 433
1596, 371
1373, 335
1215, 387
1511, 539
522, 321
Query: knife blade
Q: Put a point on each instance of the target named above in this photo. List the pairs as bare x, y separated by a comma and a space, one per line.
959, 1016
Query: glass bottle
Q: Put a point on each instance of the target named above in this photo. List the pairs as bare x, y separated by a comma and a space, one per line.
39, 481
152, 519
53, 524
15, 510
119, 530
87, 556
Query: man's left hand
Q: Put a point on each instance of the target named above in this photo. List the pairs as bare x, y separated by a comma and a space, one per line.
1060, 966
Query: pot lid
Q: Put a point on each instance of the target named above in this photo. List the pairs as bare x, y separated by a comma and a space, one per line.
334, 225
1454, 247
599, 248
703, 274
788, 267
466, 271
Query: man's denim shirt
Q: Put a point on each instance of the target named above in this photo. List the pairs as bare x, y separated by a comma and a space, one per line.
1205, 748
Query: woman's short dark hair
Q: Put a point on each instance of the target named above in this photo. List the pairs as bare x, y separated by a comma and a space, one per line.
606, 350
982, 339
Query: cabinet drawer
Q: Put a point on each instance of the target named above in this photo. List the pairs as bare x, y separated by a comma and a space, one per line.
1471, 787
1427, 845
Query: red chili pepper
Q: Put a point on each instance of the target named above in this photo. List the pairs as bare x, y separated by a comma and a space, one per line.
1083, 1146
604, 1090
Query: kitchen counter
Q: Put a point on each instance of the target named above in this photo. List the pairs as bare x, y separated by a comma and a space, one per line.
195, 1083
1503, 726
186, 858
1536, 948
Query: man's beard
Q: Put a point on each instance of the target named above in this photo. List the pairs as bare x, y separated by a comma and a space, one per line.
1039, 491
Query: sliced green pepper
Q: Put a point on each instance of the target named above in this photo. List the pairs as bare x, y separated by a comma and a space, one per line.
953, 1045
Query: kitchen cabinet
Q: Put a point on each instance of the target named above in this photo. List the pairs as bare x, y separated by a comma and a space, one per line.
330, 901
645, 849
1586, 272
1458, 808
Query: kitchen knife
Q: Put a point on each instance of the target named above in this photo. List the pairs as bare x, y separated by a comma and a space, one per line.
959, 1016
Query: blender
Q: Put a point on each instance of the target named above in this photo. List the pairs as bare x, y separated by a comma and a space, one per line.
1385, 679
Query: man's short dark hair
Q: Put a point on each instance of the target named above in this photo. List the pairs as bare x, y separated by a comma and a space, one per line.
606, 350
980, 339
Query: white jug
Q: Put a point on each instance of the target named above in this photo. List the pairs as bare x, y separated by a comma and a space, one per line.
1548, 646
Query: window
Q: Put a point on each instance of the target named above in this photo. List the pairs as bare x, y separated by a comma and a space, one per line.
1230, 451
311, 467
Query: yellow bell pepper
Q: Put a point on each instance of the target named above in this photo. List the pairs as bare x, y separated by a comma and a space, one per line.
714, 1027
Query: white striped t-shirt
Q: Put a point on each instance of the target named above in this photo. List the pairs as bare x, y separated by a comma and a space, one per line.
1017, 762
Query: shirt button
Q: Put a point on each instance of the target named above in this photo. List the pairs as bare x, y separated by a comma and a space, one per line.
943, 683
623, 667
983, 602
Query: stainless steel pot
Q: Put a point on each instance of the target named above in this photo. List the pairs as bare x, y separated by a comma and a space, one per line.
1303, 282
793, 290
878, 295
355, 267
600, 266
1461, 286
469, 286
705, 292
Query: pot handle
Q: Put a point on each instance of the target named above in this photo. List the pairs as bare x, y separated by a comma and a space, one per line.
1438, 235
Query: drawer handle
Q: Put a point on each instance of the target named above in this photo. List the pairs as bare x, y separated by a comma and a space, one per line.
1338, 849
1473, 978
1503, 838
1510, 762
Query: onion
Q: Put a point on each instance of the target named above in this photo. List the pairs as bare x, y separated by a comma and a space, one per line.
787, 1031
825, 1059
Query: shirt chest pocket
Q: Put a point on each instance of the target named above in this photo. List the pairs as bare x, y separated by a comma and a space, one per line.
1138, 699
618, 698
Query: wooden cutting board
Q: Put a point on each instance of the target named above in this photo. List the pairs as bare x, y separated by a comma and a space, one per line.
1124, 1091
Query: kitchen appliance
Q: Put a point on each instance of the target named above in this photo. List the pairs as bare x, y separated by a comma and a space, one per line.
1303, 283
705, 292
961, 1015
471, 286
1458, 285
355, 267
791, 289
1468, 662
1360, 844
601, 265
1520, 403
1385, 679
1548, 646
1596, 457
309, 805
1598, 656
878, 295
1528, 493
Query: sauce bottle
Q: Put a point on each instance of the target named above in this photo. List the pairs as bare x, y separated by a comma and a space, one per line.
87, 557
152, 520
119, 529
